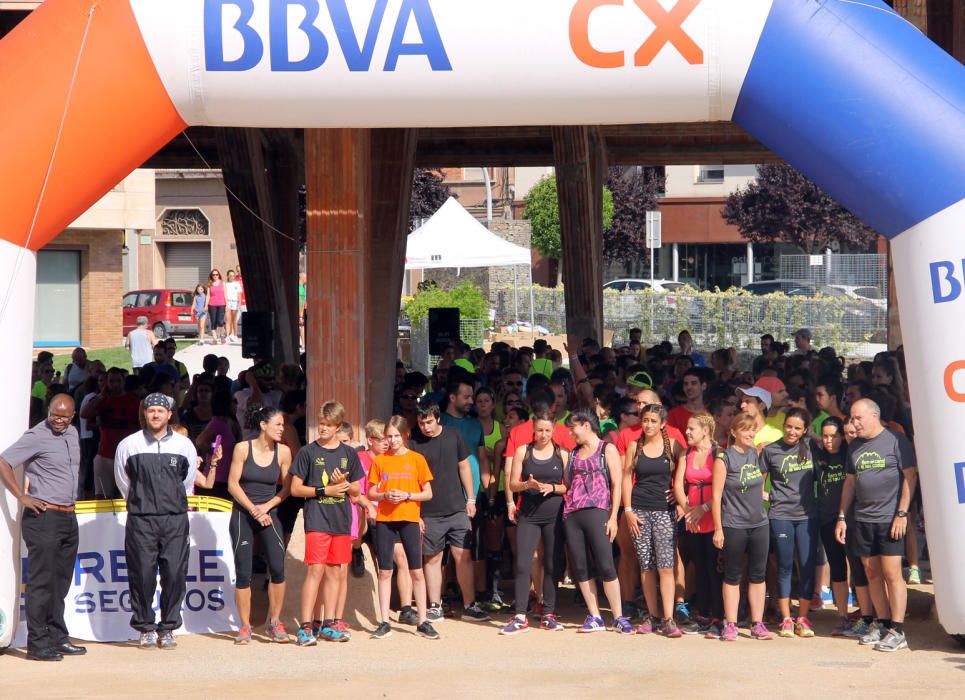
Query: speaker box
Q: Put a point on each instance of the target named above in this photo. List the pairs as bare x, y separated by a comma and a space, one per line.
258, 335
443, 329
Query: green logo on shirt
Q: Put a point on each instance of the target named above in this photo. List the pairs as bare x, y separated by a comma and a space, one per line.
748, 475
869, 460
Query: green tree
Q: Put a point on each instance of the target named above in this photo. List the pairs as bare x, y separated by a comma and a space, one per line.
466, 297
543, 212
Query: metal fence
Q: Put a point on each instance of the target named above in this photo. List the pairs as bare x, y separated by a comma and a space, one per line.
471, 332
843, 270
715, 319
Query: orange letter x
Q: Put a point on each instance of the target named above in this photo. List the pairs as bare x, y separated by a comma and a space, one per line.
668, 31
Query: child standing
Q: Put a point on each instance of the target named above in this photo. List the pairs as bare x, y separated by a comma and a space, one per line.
326, 473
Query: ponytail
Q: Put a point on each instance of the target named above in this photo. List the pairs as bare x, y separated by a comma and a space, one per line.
667, 447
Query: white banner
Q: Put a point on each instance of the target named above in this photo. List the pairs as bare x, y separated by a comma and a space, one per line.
98, 606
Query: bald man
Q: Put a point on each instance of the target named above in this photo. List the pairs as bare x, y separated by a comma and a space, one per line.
50, 454
880, 481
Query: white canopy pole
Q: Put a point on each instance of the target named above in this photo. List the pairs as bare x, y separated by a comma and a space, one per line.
515, 296
532, 306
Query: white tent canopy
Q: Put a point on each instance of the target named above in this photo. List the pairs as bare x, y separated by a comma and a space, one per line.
452, 237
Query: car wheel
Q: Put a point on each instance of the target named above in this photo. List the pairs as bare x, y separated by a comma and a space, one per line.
160, 332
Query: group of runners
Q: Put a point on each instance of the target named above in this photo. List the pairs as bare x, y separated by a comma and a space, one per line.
507, 475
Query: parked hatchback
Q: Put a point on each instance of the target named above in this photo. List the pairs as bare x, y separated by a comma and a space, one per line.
168, 311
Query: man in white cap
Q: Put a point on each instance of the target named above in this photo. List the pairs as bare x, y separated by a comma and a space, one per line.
154, 469
756, 402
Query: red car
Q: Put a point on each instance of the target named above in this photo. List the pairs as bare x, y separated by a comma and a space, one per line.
168, 311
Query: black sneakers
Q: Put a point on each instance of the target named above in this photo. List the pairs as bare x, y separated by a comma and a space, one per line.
426, 630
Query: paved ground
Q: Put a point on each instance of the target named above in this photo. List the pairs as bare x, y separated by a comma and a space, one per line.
472, 660
193, 355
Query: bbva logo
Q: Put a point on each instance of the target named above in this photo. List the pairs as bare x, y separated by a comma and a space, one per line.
358, 56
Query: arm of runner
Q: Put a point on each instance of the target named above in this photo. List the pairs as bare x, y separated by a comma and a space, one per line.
847, 496
628, 514
720, 475
899, 524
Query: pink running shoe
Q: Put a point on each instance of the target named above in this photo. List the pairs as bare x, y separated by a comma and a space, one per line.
730, 633
759, 631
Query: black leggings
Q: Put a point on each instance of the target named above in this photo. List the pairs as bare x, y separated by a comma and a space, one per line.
388, 533
244, 529
837, 556
704, 555
528, 534
752, 541
585, 528
215, 317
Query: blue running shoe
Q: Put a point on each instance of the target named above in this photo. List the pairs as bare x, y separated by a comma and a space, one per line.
592, 624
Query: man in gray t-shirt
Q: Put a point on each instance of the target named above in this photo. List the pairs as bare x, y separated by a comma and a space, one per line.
880, 481
50, 454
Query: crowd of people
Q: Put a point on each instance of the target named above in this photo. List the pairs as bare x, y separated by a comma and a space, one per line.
698, 497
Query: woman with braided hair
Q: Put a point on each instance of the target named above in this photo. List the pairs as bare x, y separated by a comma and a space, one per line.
647, 479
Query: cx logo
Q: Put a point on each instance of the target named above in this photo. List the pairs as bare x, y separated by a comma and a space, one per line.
668, 29
950, 372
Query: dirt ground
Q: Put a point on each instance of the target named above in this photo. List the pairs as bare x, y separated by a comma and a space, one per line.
472, 660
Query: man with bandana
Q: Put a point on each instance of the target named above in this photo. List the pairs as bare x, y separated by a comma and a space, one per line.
154, 469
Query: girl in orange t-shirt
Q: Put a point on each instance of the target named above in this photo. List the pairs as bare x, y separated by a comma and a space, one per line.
399, 483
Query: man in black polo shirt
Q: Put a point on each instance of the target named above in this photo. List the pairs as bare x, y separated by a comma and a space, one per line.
447, 516
880, 480
50, 453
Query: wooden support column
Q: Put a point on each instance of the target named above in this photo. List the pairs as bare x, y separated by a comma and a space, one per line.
580, 156
264, 169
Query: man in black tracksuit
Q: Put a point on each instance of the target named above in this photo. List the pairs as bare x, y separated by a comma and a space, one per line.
154, 470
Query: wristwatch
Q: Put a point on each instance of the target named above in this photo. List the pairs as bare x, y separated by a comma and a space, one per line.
902, 513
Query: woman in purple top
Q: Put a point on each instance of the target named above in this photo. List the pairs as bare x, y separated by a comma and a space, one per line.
594, 478
223, 424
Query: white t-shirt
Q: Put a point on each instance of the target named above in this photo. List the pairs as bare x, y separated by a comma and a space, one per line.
232, 291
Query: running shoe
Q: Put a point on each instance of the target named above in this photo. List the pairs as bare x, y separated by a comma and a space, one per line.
330, 634
516, 625
592, 624
872, 636
645, 626
408, 616
305, 636
550, 623
316, 627
148, 640
760, 632
166, 640
816, 602
685, 622
729, 634
276, 632
802, 628
427, 630
914, 575
714, 630
474, 613
358, 562
630, 610
858, 629
787, 628
493, 604
383, 631
842, 629
342, 626
244, 636
892, 641
669, 629
622, 626
435, 613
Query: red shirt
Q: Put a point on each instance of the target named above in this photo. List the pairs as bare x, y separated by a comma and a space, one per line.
523, 434
628, 435
678, 417
118, 418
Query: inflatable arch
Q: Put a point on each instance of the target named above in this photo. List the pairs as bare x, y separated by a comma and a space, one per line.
845, 90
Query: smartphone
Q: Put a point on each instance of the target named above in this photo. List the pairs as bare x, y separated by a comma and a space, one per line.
216, 445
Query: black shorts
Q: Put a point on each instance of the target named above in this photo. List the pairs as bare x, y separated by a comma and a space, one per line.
452, 530
387, 534
874, 539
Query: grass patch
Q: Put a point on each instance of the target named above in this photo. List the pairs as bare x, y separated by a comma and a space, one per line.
111, 357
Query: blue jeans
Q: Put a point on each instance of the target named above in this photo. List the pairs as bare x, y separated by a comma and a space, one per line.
788, 537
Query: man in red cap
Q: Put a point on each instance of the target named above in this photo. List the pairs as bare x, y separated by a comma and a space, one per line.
775, 387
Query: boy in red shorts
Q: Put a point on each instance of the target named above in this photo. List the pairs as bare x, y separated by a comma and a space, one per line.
326, 473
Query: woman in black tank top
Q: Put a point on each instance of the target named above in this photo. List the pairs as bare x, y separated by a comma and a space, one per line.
256, 468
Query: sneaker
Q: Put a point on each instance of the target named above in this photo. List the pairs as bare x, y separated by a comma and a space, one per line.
872, 636
858, 629
328, 633
408, 616
276, 632
244, 636
842, 629
760, 632
516, 625
645, 626
622, 625
670, 629
729, 633
549, 622
802, 628
714, 630
493, 604
316, 628
914, 576
166, 640
426, 630
787, 628
892, 641
148, 640
342, 626
684, 621
435, 613
474, 613
383, 631
816, 602
305, 637
592, 624
358, 563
